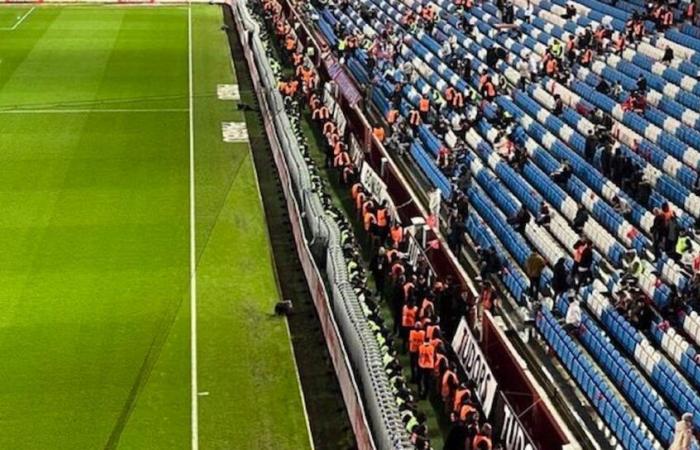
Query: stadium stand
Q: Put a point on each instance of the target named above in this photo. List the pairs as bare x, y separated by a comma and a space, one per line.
589, 108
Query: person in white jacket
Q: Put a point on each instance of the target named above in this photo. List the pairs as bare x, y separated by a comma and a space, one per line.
683, 438
572, 321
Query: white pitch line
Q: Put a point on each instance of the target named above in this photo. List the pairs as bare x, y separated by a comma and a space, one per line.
20, 20
193, 250
89, 111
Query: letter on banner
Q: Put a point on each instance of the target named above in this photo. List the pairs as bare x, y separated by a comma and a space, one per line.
474, 364
513, 435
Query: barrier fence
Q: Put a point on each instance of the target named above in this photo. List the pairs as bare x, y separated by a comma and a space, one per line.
350, 392
356, 354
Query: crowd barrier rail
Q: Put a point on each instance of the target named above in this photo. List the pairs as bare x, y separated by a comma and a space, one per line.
355, 353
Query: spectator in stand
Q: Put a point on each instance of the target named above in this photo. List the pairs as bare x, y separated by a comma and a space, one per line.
583, 260
534, 65
590, 146
562, 174
488, 298
621, 206
558, 105
603, 87
571, 49
543, 217
580, 219
489, 263
560, 277
668, 55
534, 265
570, 12
659, 231
520, 220
683, 435
529, 12
572, 321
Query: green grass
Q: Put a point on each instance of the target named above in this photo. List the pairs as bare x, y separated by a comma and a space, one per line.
94, 272
12, 15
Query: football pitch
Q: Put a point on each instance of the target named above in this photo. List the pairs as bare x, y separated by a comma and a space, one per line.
132, 238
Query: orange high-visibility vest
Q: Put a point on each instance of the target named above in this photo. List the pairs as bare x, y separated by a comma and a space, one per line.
449, 93
423, 105
290, 43
551, 66
479, 438
464, 412
397, 270
369, 220
449, 379
439, 358
426, 356
430, 331
490, 89
355, 189
328, 128
458, 100
359, 200
620, 42
379, 133
408, 316
407, 290
342, 160
459, 395
427, 304
587, 56
392, 115
396, 235
414, 118
668, 18
415, 338
381, 217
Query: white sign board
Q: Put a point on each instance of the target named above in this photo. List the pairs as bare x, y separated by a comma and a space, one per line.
475, 366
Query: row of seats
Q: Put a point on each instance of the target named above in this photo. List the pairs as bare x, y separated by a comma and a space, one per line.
473, 222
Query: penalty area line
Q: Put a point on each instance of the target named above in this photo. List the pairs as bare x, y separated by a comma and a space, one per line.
19, 20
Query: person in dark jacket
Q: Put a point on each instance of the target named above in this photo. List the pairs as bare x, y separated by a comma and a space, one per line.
378, 267
543, 217
658, 231
603, 87
580, 219
489, 263
558, 105
520, 220
560, 277
591, 146
606, 161
641, 84
562, 174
